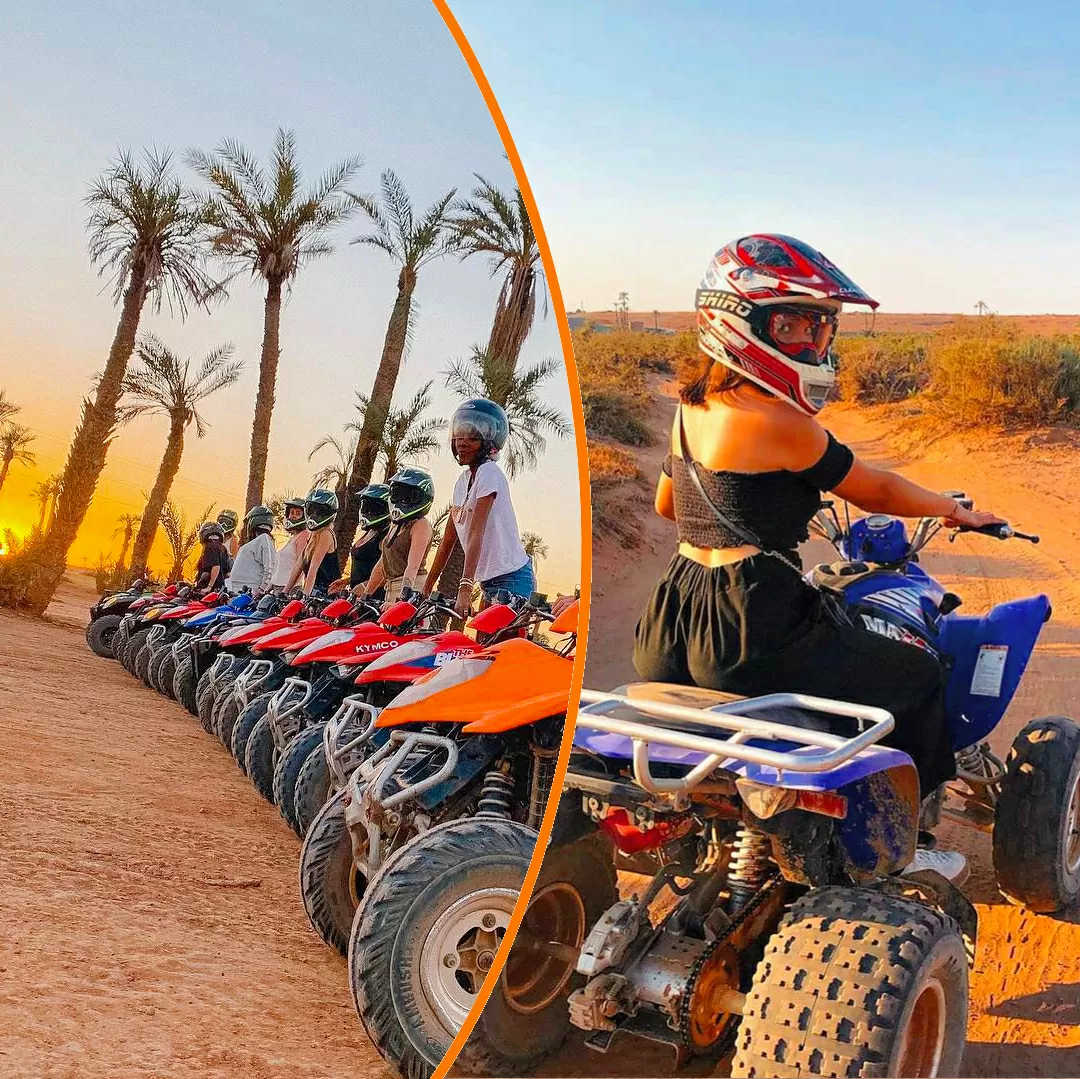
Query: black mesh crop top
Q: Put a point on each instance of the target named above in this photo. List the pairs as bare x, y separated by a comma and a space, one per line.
775, 507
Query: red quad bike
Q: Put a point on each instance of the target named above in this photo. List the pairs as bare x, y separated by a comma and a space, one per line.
401, 770
140, 647
302, 775
132, 620
237, 713
325, 670
167, 627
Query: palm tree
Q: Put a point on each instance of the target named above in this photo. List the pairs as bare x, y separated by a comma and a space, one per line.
410, 243
126, 523
146, 232
8, 408
181, 537
267, 226
406, 436
534, 545
335, 474
46, 493
495, 224
485, 375
14, 438
165, 385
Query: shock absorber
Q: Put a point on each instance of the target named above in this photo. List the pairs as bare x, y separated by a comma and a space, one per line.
495, 796
749, 865
543, 773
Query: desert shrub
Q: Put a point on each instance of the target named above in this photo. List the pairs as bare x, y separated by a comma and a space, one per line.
610, 464
879, 370
21, 569
617, 415
110, 576
984, 371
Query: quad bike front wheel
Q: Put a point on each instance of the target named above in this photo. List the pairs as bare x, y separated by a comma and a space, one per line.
133, 649
142, 662
120, 638
857, 983
157, 657
184, 684
259, 757
428, 929
165, 672
287, 771
234, 724
101, 633
312, 788
330, 883
1037, 817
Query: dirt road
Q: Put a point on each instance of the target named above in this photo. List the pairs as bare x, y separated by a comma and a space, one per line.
150, 919
1025, 1003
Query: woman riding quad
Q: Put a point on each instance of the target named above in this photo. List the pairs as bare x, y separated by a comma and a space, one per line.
318, 566
229, 519
295, 524
253, 567
746, 471
404, 546
366, 550
482, 514
214, 562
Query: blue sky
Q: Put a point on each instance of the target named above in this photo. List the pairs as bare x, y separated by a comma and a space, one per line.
384, 81
930, 149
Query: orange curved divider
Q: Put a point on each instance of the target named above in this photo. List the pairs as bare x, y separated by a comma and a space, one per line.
586, 536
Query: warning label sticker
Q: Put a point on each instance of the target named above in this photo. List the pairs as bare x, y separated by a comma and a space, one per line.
989, 670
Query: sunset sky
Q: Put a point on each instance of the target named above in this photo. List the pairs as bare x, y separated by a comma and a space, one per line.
386, 82
927, 148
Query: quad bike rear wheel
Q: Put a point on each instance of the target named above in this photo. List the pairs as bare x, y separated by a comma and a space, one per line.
427, 931
259, 754
157, 655
184, 684
133, 648
120, 639
857, 983
101, 633
1037, 817
287, 771
165, 672
330, 883
312, 788
142, 663
206, 696
242, 724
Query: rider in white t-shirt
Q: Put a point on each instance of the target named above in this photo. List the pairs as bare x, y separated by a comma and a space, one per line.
295, 525
481, 513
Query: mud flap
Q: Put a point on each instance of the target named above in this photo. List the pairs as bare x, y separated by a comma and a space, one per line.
938, 891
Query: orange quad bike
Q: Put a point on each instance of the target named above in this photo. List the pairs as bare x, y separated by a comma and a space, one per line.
471, 758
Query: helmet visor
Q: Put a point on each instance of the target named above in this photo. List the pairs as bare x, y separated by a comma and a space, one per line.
474, 425
373, 510
294, 514
802, 333
405, 497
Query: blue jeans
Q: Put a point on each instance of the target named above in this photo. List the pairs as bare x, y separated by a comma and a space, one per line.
519, 582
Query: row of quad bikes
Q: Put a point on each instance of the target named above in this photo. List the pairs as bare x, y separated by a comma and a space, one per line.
781, 925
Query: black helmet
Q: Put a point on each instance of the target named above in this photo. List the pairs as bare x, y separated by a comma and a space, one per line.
228, 520
412, 491
296, 522
259, 519
320, 509
375, 505
482, 419
209, 530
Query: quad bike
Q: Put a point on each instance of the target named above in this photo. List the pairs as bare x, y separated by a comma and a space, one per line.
334, 749
175, 627
141, 621
435, 757
108, 612
783, 917
381, 659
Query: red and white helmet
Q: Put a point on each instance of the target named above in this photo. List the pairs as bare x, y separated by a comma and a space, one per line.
767, 308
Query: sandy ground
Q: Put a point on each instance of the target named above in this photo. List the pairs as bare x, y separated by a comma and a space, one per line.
151, 924
1025, 990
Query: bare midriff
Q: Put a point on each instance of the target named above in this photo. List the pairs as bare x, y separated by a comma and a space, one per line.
711, 557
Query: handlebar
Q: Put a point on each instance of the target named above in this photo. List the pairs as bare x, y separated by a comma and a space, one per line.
997, 531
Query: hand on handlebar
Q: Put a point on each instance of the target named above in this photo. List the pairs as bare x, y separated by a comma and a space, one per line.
965, 518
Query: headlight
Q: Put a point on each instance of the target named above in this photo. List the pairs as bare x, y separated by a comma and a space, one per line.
451, 674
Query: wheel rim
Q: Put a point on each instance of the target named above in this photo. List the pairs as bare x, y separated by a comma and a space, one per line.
1072, 829
107, 637
923, 1037
532, 979
459, 950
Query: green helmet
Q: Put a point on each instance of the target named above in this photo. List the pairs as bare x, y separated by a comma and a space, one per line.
259, 518
320, 509
228, 520
412, 491
295, 513
375, 505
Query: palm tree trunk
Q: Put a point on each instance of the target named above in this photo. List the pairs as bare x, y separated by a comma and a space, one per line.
44, 510
90, 444
151, 517
124, 546
382, 395
513, 319
8, 458
264, 400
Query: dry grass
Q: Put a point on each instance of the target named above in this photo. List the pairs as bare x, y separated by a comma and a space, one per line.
883, 369
610, 464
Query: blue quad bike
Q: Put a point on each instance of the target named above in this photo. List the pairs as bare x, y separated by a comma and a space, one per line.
786, 917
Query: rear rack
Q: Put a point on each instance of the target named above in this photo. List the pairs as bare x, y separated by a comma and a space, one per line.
250, 678
286, 704
819, 751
